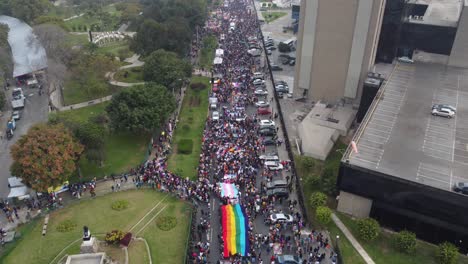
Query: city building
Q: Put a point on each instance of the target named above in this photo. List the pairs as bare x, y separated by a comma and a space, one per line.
337, 45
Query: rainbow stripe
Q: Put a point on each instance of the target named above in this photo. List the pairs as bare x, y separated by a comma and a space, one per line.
235, 230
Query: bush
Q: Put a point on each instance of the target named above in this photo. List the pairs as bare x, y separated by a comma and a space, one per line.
447, 253
120, 205
318, 199
405, 241
198, 86
114, 237
185, 146
166, 223
328, 183
369, 229
323, 215
66, 226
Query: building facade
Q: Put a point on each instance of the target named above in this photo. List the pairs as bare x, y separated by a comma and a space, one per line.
337, 45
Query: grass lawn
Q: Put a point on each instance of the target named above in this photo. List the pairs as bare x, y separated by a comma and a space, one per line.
272, 16
348, 253
117, 49
134, 75
73, 93
123, 150
97, 214
208, 52
191, 124
84, 23
78, 39
382, 251
137, 252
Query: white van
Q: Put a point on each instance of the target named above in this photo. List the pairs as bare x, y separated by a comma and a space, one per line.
273, 165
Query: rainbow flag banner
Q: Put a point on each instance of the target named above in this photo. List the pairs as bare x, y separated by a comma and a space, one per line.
235, 230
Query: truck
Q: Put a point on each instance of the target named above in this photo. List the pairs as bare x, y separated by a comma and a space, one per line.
18, 99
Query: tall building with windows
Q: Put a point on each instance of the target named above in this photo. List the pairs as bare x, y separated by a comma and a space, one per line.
337, 45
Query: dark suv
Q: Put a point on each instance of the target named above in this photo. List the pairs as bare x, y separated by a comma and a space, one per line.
461, 187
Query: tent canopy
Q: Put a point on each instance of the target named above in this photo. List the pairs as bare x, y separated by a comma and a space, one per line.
18, 192
218, 60
219, 52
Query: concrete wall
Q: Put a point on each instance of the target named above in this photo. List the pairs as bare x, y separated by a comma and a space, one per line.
336, 47
459, 54
354, 205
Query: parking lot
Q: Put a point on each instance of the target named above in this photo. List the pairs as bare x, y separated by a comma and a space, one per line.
401, 138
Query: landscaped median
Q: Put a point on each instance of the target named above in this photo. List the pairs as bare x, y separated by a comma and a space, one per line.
272, 16
187, 140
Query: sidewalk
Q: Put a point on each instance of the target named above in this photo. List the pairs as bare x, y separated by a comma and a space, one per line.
352, 240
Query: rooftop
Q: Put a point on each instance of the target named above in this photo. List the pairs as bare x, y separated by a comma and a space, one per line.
439, 12
400, 137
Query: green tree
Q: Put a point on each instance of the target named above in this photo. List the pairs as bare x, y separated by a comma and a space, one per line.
447, 253
29, 10
323, 215
368, 228
405, 241
2, 100
45, 157
150, 36
318, 199
140, 108
165, 68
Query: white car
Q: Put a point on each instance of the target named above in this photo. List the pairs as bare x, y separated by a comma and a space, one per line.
269, 157
261, 92
215, 115
16, 115
273, 165
262, 104
405, 59
281, 218
444, 112
267, 123
438, 106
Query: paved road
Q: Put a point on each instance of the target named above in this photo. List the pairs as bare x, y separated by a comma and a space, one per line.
36, 110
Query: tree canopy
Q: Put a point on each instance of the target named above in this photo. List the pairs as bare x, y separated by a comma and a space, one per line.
140, 108
45, 157
165, 68
27, 10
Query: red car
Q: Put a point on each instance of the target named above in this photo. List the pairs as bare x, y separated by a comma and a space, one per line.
264, 111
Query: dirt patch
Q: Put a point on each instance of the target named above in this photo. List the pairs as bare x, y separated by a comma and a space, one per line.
194, 101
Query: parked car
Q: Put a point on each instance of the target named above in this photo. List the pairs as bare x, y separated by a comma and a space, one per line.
258, 81
292, 62
269, 141
267, 123
267, 132
267, 157
274, 165
461, 187
444, 112
215, 115
275, 67
281, 218
261, 92
16, 115
277, 184
288, 259
438, 106
268, 52
278, 192
405, 59
282, 88
271, 48
262, 104
263, 111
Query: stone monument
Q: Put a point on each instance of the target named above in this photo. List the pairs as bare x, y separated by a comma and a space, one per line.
89, 244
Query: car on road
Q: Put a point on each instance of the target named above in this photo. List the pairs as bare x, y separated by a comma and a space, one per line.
282, 88
405, 59
268, 52
273, 157
274, 165
261, 92
215, 115
277, 184
438, 106
258, 82
263, 111
275, 67
267, 132
444, 112
281, 218
16, 115
267, 123
262, 104
271, 48
292, 62
268, 141
461, 187
288, 259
